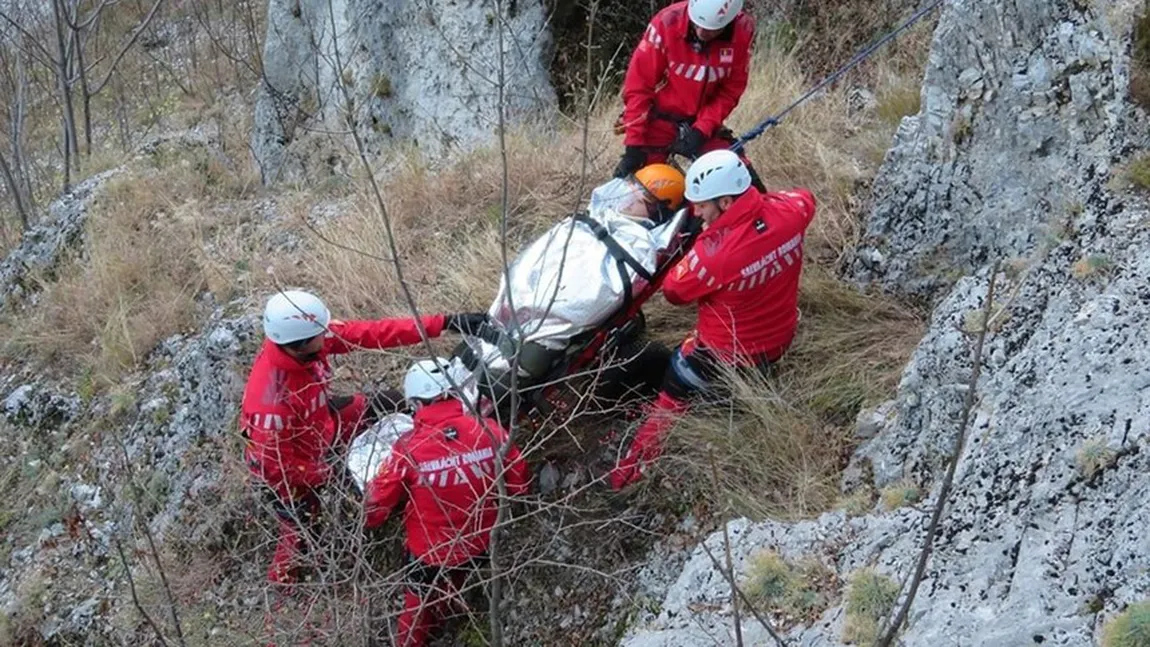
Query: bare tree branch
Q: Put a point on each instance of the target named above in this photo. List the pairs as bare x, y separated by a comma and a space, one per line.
947, 482
127, 46
28, 36
135, 596
730, 566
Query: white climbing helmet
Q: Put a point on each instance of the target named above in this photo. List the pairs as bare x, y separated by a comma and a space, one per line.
295, 315
717, 174
713, 14
427, 379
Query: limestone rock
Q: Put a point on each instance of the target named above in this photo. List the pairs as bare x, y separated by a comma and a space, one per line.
417, 72
1025, 114
44, 245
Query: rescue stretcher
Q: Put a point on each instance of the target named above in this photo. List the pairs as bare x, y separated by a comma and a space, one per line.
571, 299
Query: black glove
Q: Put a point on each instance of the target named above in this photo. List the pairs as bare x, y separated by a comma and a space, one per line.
688, 143
467, 323
633, 159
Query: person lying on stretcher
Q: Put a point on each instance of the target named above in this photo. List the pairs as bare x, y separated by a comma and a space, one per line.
652, 194
580, 274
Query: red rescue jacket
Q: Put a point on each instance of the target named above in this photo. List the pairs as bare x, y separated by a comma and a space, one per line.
285, 416
445, 469
673, 75
743, 272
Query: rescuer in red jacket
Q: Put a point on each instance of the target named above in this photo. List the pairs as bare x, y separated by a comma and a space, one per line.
743, 273
293, 423
685, 77
444, 469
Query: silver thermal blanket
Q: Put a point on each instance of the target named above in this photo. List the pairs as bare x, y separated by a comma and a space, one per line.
568, 281
371, 449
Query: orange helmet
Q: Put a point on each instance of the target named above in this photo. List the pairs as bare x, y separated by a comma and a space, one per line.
664, 182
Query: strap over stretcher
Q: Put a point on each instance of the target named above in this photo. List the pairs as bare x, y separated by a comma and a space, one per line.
623, 259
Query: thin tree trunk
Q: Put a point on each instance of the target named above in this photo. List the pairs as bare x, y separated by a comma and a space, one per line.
65, 87
10, 181
16, 134
84, 93
122, 117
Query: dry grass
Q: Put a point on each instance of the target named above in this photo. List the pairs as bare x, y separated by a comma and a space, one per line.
1135, 174
870, 598
1140, 61
794, 593
1131, 628
1091, 265
446, 228
781, 441
857, 503
144, 267
1093, 456
903, 493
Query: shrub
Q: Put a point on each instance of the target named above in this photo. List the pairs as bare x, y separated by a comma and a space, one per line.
857, 503
869, 600
1131, 628
1137, 173
794, 592
1091, 265
1093, 456
900, 494
768, 577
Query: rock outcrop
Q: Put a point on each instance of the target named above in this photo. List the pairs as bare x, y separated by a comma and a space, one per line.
1024, 123
159, 465
44, 245
1021, 122
422, 73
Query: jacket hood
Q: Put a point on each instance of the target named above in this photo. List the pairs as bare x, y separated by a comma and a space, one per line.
439, 412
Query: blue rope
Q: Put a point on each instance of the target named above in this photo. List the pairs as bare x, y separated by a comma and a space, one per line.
762, 127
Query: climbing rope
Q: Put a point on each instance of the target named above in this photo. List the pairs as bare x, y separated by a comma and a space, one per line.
774, 120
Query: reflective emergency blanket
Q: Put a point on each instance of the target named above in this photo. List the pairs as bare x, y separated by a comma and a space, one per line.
567, 281
370, 449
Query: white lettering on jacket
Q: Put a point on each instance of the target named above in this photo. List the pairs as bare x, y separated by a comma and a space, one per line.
783, 250
449, 470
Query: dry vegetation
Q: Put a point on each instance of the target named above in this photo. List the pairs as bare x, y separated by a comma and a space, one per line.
188, 222
144, 269
1140, 61
870, 598
794, 592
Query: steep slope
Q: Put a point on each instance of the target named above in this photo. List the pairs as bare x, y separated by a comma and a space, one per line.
1024, 123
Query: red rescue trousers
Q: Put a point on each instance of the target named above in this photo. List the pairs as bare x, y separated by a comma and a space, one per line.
299, 512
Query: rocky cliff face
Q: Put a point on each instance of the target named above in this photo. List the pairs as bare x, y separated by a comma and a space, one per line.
1023, 115
420, 73
1024, 122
